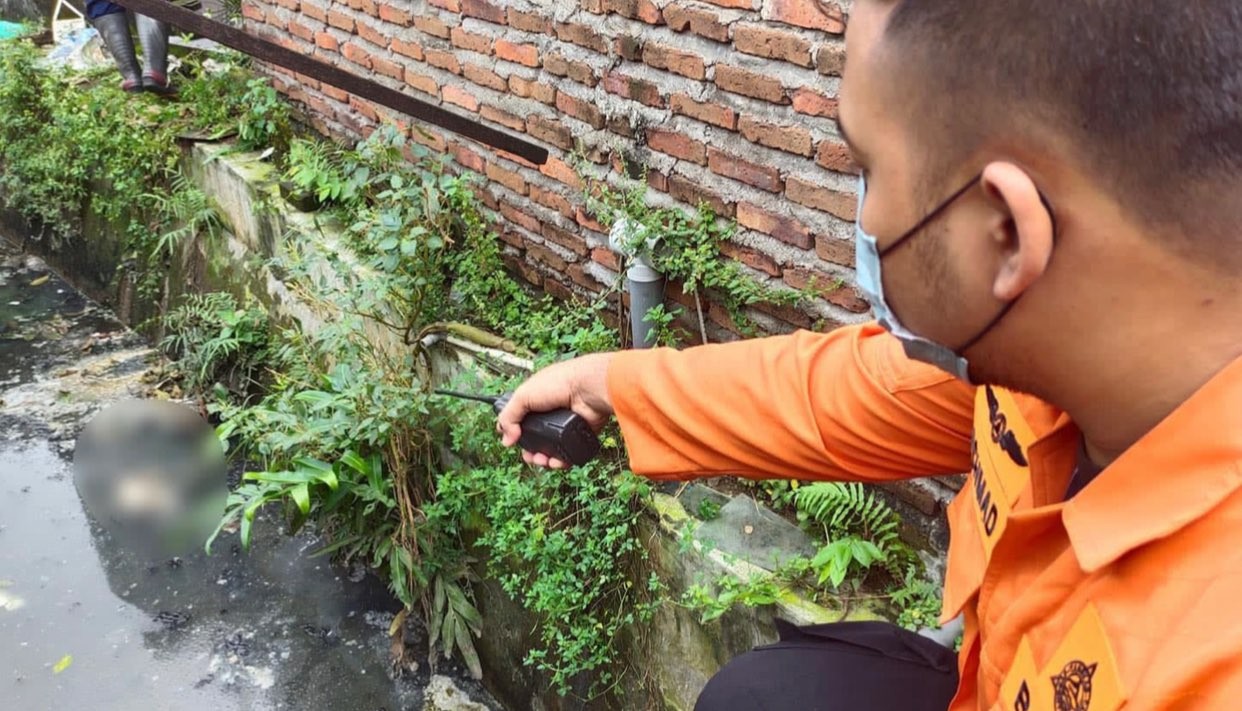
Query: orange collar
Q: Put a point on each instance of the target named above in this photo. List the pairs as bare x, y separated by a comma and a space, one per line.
1174, 475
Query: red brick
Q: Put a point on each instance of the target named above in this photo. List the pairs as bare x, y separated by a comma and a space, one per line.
335, 93
443, 60
785, 229
692, 192
657, 180
643, 10
313, 11
325, 40
459, 97
565, 238
387, 67
677, 61
550, 131
467, 158
340, 20
367, 6
580, 277
748, 83
837, 251
532, 89
739, 4
486, 197
528, 22
582, 36
395, 15
432, 26
806, 101
301, 31
320, 106
581, 109
835, 155
484, 77
552, 200
483, 10
560, 66
793, 139
714, 114
422, 82
561, 171
508, 178
546, 256
631, 88
288, 4
517, 217
764, 177
582, 217
620, 125
363, 107
504, 118
827, 286
514, 158
751, 258
830, 59
408, 49
812, 14
525, 54
772, 43
701, 22
372, 34
356, 54
450, 5
558, 291
428, 138
629, 47
528, 271
513, 239
677, 145
606, 257
253, 12
841, 204
471, 41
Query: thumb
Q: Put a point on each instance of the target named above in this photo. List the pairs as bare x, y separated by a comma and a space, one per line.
508, 422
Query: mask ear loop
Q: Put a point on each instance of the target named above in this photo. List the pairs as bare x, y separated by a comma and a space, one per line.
927, 219
1052, 217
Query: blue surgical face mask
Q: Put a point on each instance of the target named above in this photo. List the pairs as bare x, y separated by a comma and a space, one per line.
868, 257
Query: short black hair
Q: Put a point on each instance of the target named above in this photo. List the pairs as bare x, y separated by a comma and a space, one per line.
1147, 94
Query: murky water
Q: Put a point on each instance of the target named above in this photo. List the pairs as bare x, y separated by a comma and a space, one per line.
87, 624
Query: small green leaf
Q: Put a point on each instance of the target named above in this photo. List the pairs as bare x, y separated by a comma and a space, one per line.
301, 496
63, 664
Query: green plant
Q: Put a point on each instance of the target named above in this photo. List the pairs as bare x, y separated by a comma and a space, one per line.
917, 599
265, 121
558, 542
849, 508
187, 212
684, 246
727, 591
214, 340
708, 510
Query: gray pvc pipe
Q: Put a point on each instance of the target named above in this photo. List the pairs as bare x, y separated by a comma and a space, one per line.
646, 287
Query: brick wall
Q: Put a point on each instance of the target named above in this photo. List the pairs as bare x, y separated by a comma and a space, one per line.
727, 101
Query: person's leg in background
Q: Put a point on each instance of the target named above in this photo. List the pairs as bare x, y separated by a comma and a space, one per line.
859, 666
112, 23
153, 35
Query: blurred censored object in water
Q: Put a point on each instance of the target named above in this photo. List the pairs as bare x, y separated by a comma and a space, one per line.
153, 474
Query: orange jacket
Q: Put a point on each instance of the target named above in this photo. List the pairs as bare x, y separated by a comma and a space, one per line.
1130, 594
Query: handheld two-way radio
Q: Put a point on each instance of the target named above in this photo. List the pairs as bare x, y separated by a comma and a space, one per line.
559, 434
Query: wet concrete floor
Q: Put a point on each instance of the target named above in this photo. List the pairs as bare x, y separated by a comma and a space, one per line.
87, 624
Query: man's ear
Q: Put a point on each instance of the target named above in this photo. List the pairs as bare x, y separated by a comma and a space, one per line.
1023, 230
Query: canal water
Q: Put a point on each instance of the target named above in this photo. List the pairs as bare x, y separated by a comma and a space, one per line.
86, 623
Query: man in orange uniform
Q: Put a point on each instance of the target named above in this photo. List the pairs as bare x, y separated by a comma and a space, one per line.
1051, 241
